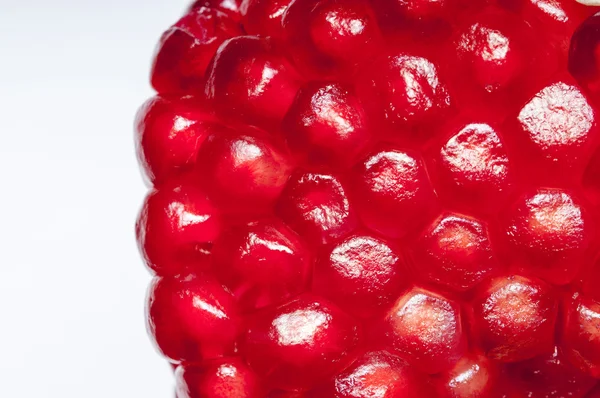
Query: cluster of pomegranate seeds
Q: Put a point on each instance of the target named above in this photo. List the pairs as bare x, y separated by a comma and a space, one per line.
375, 199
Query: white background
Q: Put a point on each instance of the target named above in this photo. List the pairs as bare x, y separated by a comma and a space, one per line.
72, 287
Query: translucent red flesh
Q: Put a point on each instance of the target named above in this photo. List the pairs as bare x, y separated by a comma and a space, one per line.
375, 199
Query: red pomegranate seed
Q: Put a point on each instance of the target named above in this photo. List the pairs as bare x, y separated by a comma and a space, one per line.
262, 262
242, 172
176, 228
168, 136
300, 342
581, 334
375, 199
426, 328
222, 378
374, 374
326, 125
403, 90
317, 207
455, 252
472, 376
249, 81
192, 318
263, 17
329, 37
362, 274
548, 234
488, 48
515, 318
473, 169
185, 50
393, 193
558, 129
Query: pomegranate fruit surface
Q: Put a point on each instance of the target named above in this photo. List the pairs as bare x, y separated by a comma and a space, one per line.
375, 199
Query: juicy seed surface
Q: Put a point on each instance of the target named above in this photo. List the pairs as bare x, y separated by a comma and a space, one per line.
456, 252
362, 274
393, 193
473, 376
581, 334
548, 235
375, 199
192, 318
427, 329
515, 318
262, 263
300, 342
317, 207
376, 374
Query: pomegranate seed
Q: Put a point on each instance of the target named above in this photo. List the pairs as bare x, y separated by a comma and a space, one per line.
300, 343
248, 81
472, 376
488, 50
583, 56
548, 234
326, 125
456, 252
185, 50
374, 374
242, 172
421, 323
393, 193
558, 128
168, 136
316, 206
515, 318
362, 274
262, 263
230, 6
176, 228
581, 334
331, 36
263, 17
403, 90
473, 168
192, 318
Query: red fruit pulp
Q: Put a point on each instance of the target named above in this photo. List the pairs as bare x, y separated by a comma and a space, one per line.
375, 199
